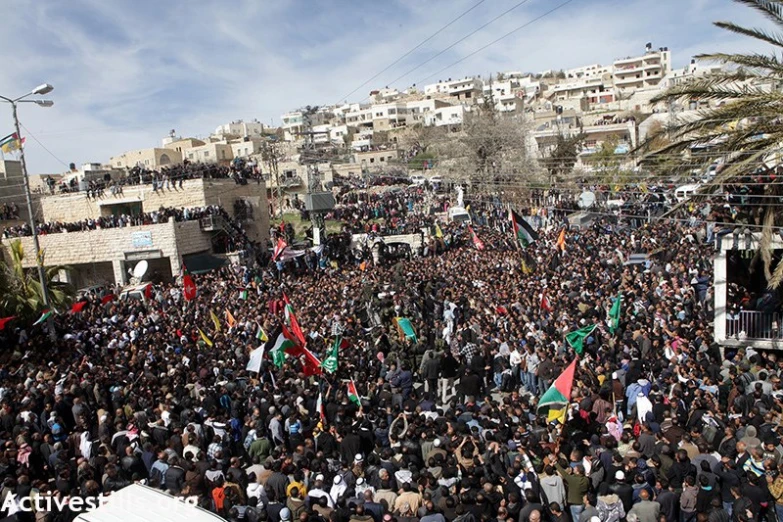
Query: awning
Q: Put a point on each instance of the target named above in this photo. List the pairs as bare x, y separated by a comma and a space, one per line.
202, 263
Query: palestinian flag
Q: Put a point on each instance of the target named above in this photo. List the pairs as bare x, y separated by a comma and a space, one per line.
555, 401
291, 321
353, 395
576, 339
279, 249
478, 243
261, 334
76, 307
243, 295
615, 312
545, 304
189, 290
330, 363
523, 232
45, 315
282, 343
5, 320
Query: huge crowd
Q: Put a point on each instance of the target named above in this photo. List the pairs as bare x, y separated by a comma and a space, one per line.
443, 425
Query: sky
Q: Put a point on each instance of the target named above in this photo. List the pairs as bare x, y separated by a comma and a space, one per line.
127, 72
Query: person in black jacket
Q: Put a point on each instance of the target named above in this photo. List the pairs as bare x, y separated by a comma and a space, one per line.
175, 476
729, 478
623, 490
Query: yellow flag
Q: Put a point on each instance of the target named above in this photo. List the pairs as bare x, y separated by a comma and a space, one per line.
438, 231
230, 319
556, 415
215, 320
205, 338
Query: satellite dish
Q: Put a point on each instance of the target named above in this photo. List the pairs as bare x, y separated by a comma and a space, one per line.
140, 269
586, 200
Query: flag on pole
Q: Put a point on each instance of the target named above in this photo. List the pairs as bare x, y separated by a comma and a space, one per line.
5, 320
330, 363
256, 358
615, 312
438, 231
243, 294
405, 329
76, 307
576, 339
230, 319
353, 395
545, 304
215, 320
561, 241
189, 290
555, 401
107, 299
478, 243
261, 334
523, 232
11, 143
206, 339
290, 319
279, 249
45, 315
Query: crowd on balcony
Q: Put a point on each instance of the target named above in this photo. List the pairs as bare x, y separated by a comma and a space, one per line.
170, 177
162, 215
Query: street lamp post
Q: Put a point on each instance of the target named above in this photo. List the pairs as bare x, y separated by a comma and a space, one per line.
40, 90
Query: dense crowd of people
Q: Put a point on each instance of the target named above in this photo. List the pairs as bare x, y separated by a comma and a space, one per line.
438, 426
9, 211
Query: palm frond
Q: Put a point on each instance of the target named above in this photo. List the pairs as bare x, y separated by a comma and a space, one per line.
772, 9
758, 34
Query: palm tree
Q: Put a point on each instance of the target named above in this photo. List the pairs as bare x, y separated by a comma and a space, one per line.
743, 125
21, 293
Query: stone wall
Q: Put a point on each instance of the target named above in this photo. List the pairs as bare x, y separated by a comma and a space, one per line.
122, 247
194, 193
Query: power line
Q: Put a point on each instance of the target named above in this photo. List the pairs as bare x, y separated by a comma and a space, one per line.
42, 145
501, 15
398, 60
501, 38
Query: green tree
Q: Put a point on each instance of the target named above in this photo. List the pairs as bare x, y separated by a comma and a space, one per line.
742, 125
21, 293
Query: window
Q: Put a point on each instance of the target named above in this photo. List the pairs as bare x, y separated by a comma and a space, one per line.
190, 155
372, 160
223, 154
392, 111
206, 153
382, 158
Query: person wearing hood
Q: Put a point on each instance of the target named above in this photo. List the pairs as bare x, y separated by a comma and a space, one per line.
552, 485
750, 439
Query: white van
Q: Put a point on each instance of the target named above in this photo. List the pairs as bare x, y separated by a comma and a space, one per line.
135, 293
459, 215
685, 192
417, 179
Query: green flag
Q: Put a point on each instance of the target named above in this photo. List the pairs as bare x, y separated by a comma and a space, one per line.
330, 363
615, 312
281, 344
576, 339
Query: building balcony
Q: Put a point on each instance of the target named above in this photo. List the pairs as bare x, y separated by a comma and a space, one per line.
749, 325
211, 224
293, 181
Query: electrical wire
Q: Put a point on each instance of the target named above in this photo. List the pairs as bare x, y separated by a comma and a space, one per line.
499, 39
398, 60
42, 145
428, 60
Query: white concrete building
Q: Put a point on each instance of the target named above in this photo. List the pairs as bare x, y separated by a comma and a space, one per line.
643, 71
450, 115
241, 129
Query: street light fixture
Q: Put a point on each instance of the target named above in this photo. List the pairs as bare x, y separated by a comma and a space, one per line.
42, 89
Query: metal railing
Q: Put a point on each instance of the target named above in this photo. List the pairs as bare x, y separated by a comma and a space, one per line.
754, 325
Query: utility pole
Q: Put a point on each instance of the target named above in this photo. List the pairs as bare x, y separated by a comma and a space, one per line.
271, 158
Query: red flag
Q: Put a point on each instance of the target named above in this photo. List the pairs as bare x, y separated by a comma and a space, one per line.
291, 319
108, 299
311, 364
478, 243
78, 307
189, 290
5, 320
545, 305
279, 249
148, 291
